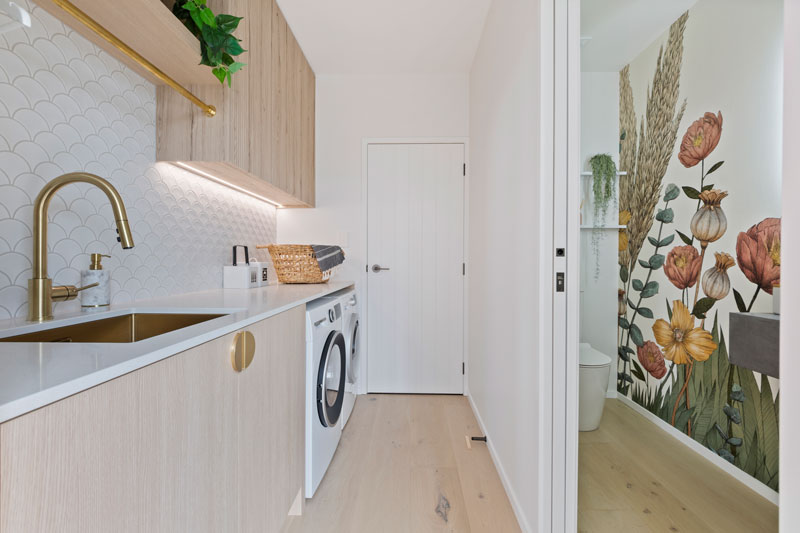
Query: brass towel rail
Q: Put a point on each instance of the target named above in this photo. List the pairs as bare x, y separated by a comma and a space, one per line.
93, 25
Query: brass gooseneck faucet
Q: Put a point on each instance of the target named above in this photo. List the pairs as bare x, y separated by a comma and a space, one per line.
41, 293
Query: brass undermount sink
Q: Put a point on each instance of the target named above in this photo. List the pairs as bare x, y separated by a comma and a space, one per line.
133, 327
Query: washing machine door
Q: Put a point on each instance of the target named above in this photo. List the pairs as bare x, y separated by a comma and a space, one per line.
331, 378
355, 350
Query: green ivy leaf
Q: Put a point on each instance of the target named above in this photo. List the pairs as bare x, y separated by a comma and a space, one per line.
708, 187
739, 301
637, 284
236, 67
657, 261
671, 192
702, 307
645, 312
665, 215
623, 322
208, 17
636, 335
666, 241
644, 264
715, 167
189, 6
228, 23
650, 290
653, 241
691, 192
220, 73
684, 238
198, 20
631, 304
623, 273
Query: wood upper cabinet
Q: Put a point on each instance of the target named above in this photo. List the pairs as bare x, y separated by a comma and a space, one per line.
185, 444
262, 138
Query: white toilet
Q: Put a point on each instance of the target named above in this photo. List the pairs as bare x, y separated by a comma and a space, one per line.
593, 384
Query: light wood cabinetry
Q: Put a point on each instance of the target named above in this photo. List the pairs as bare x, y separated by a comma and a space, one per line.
272, 417
156, 35
185, 444
262, 138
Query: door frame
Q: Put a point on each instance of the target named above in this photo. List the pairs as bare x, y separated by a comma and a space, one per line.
560, 80
365, 143
560, 191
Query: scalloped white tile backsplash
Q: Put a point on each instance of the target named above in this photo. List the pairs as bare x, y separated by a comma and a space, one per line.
65, 105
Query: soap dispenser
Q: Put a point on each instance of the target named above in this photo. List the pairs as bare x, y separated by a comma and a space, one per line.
100, 295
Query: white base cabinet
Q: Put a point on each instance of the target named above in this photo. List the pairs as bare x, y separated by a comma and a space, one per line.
186, 444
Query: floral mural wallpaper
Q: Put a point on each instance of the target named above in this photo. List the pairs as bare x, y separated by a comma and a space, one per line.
675, 273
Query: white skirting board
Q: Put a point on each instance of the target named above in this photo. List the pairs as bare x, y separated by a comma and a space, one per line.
695, 446
512, 497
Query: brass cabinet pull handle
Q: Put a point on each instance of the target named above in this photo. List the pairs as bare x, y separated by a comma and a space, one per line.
243, 350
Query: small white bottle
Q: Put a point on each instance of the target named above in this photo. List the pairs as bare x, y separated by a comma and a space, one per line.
98, 297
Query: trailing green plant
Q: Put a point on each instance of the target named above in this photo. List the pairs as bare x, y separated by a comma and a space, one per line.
218, 45
604, 174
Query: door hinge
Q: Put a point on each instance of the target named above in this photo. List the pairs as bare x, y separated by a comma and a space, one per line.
463, 269
465, 170
462, 369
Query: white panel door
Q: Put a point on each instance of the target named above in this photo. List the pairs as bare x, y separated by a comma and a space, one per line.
415, 311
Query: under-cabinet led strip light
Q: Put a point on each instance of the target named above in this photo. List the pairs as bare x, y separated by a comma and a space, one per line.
221, 181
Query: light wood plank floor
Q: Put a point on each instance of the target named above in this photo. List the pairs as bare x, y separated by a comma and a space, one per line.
635, 477
403, 466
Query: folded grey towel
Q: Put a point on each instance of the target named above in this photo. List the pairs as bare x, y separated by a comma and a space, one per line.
328, 256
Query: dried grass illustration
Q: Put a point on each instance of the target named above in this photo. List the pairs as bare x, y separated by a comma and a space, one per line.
658, 132
627, 149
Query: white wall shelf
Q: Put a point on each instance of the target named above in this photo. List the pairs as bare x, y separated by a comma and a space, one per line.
604, 227
618, 173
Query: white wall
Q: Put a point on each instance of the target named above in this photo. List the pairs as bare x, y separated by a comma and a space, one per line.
599, 270
790, 262
504, 246
66, 106
350, 109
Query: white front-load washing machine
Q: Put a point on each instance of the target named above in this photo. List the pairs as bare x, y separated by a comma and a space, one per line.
326, 375
352, 332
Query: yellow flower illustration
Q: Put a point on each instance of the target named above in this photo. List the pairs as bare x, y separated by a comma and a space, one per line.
682, 342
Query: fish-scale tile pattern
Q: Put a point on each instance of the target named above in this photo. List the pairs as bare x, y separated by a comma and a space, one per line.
66, 106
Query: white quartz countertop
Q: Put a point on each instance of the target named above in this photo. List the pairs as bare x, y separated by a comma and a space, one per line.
33, 375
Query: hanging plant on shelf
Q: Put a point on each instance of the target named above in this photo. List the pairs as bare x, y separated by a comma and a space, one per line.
218, 45
604, 174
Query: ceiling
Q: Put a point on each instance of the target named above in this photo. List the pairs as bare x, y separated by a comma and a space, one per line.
621, 29
387, 36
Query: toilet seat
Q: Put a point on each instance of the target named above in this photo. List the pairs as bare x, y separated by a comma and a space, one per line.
589, 357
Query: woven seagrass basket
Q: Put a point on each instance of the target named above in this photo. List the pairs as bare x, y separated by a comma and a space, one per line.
296, 263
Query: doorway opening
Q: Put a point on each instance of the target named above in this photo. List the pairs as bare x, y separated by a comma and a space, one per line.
680, 216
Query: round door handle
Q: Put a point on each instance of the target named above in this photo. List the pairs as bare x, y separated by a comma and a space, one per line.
378, 268
243, 350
